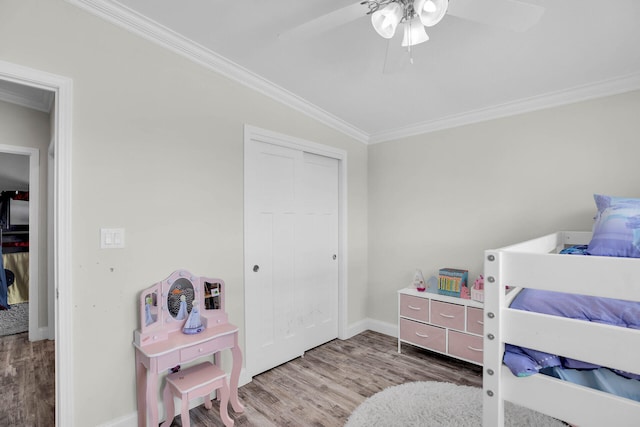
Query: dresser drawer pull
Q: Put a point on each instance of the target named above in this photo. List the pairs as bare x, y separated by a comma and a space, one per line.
448, 316
474, 349
414, 308
422, 335
480, 322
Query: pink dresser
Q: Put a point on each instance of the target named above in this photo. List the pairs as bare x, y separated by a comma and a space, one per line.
440, 323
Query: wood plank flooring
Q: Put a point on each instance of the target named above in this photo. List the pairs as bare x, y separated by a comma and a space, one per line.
27, 372
323, 388
320, 389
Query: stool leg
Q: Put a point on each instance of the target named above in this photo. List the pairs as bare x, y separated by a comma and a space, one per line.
207, 401
184, 414
168, 406
224, 402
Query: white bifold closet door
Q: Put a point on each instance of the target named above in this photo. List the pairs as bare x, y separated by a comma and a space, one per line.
291, 266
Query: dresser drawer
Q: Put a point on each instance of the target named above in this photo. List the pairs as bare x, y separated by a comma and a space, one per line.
423, 335
447, 315
465, 346
475, 320
414, 307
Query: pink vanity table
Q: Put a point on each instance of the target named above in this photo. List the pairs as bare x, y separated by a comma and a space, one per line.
160, 343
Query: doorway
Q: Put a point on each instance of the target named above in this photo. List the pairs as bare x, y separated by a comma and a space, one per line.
20, 183
295, 247
61, 285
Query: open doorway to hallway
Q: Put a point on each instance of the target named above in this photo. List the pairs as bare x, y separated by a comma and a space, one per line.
25, 291
58, 241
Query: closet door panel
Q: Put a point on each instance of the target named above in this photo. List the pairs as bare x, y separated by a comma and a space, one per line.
272, 300
318, 266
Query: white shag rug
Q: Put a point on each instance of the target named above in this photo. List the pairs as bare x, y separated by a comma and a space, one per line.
437, 404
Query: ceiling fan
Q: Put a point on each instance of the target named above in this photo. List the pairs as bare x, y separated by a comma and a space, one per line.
415, 15
386, 15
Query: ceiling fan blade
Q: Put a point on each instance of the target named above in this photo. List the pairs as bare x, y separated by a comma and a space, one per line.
510, 14
326, 22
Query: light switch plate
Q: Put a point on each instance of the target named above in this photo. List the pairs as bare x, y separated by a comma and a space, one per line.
111, 238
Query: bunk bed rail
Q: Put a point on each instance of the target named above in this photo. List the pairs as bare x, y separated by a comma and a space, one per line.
536, 264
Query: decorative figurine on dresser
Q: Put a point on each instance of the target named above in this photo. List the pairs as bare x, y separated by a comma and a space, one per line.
182, 319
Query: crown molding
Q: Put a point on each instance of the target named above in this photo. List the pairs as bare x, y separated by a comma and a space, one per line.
28, 97
572, 95
134, 22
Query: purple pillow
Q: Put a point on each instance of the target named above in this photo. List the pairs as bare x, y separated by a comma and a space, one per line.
616, 231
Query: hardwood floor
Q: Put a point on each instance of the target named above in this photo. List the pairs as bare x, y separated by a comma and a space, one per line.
320, 389
329, 382
27, 371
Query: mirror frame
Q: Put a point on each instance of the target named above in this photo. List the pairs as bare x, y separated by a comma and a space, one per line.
165, 323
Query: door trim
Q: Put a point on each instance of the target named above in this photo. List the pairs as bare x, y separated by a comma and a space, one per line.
253, 133
62, 87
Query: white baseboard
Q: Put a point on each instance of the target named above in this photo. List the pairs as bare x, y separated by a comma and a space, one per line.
39, 334
357, 328
130, 420
390, 329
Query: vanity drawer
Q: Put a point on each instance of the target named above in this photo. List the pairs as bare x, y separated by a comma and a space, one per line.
168, 361
414, 307
447, 315
465, 346
423, 335
199, 350
475, 320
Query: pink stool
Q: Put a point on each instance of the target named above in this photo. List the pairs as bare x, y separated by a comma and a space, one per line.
196, 381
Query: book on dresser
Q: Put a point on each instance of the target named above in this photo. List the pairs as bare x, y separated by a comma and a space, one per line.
444, 324
452, 282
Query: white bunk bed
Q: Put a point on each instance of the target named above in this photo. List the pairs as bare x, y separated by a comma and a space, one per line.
536, 264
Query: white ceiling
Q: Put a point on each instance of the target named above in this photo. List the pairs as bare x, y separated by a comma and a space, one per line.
466, 72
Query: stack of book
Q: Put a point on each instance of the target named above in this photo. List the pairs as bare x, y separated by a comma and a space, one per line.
453, 282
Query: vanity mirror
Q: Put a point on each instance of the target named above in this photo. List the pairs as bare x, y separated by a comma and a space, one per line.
180, 298
212, 296
164, 307
150, 308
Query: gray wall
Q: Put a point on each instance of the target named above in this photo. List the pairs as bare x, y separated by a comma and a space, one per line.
439, 200
14, 169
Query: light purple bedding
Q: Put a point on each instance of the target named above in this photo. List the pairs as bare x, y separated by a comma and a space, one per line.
524, 362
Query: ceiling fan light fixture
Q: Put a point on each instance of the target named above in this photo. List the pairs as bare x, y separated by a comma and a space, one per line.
386, 20
431, 11
414, 33
429, 6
